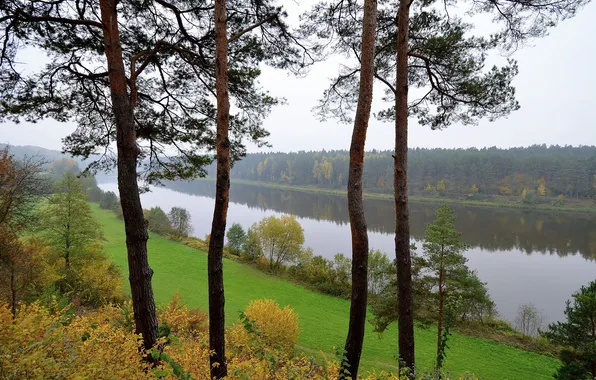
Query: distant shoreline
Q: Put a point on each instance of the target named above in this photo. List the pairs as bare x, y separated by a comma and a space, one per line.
582, 206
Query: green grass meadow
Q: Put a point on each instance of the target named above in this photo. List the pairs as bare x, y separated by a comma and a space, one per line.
323, 319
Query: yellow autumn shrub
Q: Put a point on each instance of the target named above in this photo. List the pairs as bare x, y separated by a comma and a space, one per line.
181, 319
52, 343
43, 343
277, 327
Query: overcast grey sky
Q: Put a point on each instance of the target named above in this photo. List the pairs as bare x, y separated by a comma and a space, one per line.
555, 88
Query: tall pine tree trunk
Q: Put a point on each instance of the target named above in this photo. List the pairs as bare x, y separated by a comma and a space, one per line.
405, 309
134, 222
593, 336
13, 292
222, 188
441, 312
355, 338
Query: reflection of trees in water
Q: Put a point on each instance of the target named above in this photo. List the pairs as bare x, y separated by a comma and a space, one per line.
487, 228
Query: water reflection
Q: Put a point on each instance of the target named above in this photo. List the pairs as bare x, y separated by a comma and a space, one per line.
491, 229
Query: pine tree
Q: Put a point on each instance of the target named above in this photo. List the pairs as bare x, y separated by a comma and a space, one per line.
443, 254
578, 333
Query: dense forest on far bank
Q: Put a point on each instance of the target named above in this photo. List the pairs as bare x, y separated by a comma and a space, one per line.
530, 172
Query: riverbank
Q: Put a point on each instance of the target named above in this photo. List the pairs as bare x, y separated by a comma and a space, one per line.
569, 205
323, 319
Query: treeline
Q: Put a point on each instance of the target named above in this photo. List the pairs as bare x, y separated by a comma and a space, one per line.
538, 170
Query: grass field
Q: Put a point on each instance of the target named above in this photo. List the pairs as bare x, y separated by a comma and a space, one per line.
323, 319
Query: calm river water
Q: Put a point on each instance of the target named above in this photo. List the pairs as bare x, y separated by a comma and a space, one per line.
523, 256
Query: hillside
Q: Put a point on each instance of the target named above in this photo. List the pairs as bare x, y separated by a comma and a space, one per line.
323, 319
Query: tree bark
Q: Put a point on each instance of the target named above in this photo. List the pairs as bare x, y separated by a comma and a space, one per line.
222, 188
593, 361
13, 293
405, 309
134, 222
355, 338
441, 307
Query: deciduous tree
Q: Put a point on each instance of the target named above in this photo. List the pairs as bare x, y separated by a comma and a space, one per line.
236, 237
67, 222
180, 221
158, 221
21, 185
280, 238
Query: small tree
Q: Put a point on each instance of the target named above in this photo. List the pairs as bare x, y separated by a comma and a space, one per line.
578, 335
157, 221
280, 239
180, 222
21, 184
24, 269
252, 245
380, 271
528, 320
109, 201
443, 253
67, 221
236, 238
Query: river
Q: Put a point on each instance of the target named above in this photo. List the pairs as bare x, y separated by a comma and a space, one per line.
523, 256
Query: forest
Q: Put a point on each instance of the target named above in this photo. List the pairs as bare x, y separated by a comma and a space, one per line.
545, 171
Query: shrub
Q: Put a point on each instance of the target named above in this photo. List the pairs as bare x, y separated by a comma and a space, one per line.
277, 326
109, 201
196, 243
51, 342
181, 319
157, 221
41, 344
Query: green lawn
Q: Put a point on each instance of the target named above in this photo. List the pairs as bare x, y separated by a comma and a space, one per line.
323, 319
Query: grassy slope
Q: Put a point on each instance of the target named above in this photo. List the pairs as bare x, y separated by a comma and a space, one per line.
323, 319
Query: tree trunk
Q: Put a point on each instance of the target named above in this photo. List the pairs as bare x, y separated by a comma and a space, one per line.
441, 307
222, 188
13, 293
405, 309
67, 251
593, 361
134, 222
355, 338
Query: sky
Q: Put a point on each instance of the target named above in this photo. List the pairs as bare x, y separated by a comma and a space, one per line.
555, 88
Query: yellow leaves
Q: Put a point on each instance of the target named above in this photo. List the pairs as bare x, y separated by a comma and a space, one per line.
504, 188
41, 343
182, 320
474, 189
541, 186
277, 327
322, 170
49, 342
